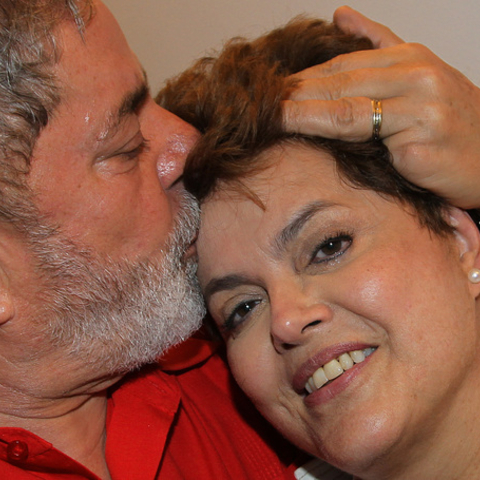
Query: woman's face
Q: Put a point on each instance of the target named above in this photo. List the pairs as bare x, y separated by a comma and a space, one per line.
323, 277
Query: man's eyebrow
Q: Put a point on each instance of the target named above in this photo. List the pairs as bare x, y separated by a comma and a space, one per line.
133, 101
229, 282
281, 241
130, 103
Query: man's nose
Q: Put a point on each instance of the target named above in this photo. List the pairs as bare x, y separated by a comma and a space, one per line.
173, 140
171, 161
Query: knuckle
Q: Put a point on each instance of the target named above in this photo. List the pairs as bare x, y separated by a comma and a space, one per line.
438, 114
337, 85
411, 151
425, 69
431, 78
416, 51
432, 75
333, 66
407, 153
344, 116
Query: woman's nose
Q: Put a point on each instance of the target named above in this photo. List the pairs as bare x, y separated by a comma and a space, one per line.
295, 317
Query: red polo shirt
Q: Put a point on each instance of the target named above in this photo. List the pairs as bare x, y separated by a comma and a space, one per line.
183, 419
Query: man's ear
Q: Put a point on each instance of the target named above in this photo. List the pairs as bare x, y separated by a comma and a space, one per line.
7, 304
467, 240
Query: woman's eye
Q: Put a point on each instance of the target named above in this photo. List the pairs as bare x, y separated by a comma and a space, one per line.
240, 313
332, 248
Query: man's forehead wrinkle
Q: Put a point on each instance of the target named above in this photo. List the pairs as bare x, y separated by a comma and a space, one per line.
281, 241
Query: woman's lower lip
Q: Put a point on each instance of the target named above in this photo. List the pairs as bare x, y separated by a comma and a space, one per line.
336, 386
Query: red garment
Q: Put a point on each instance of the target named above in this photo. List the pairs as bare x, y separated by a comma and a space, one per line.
188, 424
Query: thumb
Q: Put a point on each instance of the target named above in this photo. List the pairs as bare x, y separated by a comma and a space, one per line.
351, 21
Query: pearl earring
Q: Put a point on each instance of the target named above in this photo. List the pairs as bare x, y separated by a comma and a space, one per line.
474, 275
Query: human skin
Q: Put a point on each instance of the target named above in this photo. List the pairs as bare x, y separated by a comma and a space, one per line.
431, 111
93, 176
105, 195
350, 271
120, 201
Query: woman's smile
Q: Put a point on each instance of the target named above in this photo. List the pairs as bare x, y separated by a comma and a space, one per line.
335, 368
333, 302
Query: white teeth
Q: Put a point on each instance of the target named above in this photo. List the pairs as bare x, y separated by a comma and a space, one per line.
335, 368
357, 356
345, 361
311, 384
308, 388
332, 369
319, 378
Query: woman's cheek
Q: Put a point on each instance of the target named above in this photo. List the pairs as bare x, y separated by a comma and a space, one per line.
251, 360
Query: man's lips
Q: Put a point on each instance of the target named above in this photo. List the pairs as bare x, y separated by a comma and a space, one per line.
328, 365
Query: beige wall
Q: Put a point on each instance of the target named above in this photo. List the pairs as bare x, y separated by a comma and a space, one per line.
168, 35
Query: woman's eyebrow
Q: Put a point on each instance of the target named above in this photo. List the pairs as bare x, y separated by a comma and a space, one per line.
279, 245
288, 233
229, 282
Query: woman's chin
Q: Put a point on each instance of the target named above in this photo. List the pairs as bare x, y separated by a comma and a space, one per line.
358, 447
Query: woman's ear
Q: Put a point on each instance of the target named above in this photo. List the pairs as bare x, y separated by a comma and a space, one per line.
467, 240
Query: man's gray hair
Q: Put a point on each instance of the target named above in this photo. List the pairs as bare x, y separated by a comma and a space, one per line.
28, 90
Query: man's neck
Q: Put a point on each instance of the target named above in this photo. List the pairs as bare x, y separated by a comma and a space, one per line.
76, 426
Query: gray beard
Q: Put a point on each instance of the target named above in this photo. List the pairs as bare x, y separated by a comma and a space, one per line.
118, 316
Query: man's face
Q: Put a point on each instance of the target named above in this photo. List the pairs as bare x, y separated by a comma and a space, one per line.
105, 166
104, 175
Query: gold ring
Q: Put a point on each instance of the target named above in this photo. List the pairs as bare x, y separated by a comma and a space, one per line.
376, 119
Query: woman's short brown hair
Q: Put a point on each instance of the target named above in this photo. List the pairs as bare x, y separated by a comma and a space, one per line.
234, 100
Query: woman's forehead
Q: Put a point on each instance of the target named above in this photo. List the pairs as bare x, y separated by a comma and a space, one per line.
287, 172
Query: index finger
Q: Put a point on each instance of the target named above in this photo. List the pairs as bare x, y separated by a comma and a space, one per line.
353, 61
